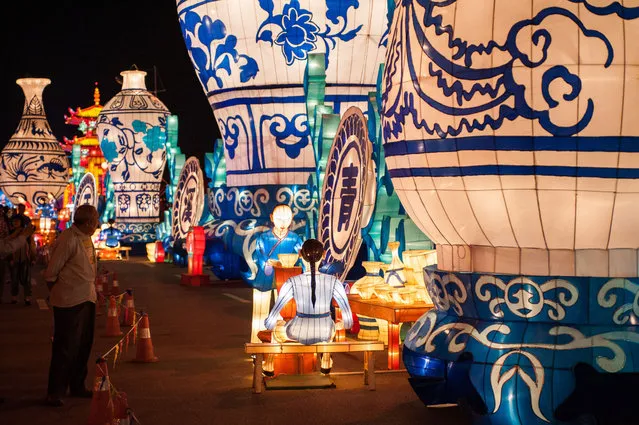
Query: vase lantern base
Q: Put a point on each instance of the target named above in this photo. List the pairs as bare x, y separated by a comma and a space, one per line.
511, 346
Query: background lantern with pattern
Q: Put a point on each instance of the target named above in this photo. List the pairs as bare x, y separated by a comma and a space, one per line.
252, 60
132, 132
251, 57
34, 168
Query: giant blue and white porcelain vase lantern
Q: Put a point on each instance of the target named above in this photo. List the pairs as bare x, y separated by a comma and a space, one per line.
33, 167
132, 133
511, 134
251, 57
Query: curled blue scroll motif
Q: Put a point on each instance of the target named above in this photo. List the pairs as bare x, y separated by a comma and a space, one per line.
213, 50
297, 34
614, 7
503, 97
284, 130
233, 130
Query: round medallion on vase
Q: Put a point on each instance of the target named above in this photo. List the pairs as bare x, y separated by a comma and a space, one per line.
34, 167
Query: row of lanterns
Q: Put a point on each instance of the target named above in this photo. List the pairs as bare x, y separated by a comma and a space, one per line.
34, 169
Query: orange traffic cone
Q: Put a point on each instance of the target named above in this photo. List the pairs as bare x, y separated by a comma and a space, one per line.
126, 318
115, 286
144, 350
121, 409
101, 412
112, 323
99, 292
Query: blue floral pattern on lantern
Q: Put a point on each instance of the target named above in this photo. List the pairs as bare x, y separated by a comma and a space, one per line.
120, 145
109, 150
218, 51
155, 136
298, 34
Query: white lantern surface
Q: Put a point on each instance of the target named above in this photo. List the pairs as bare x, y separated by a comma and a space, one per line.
132, 133
250, 57
34, 166
511, 133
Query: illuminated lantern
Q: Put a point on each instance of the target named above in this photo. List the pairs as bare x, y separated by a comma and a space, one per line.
86, 154
195, 246
189, 199
34, 166
251, 56
131, 129
150, 251
511, 137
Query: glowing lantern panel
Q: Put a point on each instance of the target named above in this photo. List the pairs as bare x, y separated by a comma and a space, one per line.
34, 166
132, 133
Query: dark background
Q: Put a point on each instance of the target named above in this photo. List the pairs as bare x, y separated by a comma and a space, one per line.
77, 43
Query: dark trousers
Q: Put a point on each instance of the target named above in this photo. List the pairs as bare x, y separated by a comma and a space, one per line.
72, 342
21, 276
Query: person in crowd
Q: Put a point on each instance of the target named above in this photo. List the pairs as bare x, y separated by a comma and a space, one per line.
20, 211
313, 293
70, 276
20, 262
4, 261
8, 246
268, 245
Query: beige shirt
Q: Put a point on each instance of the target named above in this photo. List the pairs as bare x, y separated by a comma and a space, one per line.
7, 246
72, 267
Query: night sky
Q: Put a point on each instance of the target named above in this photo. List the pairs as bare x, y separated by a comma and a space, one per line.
76, 43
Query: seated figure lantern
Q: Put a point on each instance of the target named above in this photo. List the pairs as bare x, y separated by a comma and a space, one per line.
511, 138
269, 245
313, 293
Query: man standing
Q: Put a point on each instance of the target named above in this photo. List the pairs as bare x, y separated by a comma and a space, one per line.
70, 277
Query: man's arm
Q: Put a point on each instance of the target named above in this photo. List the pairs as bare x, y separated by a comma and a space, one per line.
59, 256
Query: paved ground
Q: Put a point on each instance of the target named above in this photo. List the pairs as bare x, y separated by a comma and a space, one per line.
203, 375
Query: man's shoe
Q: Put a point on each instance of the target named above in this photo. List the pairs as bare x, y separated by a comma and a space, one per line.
54, 401
27, 302
83, 393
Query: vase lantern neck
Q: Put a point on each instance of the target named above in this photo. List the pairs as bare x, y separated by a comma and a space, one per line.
32, 89
133, 80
